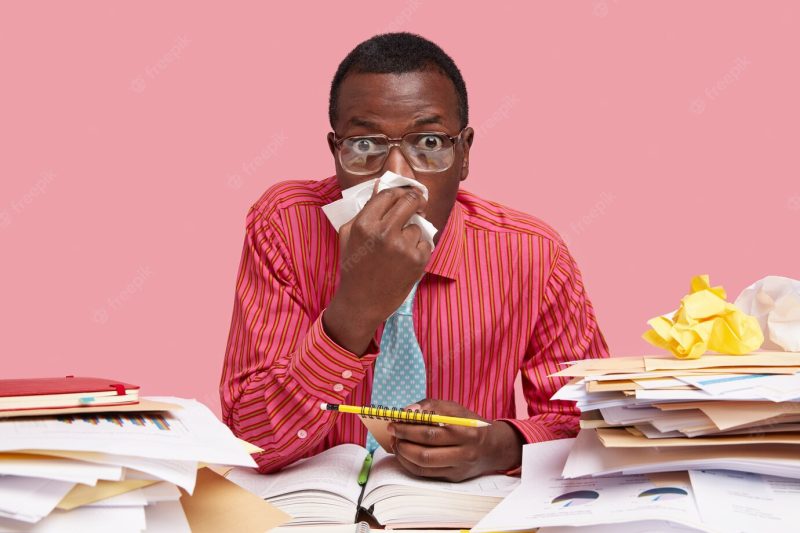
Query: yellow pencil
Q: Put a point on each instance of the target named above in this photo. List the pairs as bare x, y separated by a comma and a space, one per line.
404, 415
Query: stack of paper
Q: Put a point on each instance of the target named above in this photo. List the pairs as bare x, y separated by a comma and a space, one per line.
96, 471
651, 414
712, 501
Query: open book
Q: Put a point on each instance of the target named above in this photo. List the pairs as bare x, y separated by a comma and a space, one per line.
324, 489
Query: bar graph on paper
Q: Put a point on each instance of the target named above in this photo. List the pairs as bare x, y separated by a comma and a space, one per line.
119, 419
95, 425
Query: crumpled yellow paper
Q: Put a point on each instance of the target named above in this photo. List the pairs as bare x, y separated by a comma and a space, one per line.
705, 321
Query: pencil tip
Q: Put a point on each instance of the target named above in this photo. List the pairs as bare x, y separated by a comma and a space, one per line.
323, 406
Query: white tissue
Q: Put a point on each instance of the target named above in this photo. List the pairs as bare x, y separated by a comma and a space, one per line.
353, 200
775, 302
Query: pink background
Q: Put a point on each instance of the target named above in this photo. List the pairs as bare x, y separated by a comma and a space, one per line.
661, 139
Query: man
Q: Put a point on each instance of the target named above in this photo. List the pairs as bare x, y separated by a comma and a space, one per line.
498, 295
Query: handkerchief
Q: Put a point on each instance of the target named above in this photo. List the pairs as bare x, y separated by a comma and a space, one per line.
353, 200
775, 302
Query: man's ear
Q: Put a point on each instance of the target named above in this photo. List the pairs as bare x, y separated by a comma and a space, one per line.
331, 142
467, 137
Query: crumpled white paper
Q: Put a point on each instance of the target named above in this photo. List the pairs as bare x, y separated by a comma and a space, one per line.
353, 200
775, 302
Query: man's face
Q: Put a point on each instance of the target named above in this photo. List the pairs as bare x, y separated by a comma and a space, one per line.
396, 104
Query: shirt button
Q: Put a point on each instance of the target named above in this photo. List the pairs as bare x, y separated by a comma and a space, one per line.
338, 387
302, 434
347, 374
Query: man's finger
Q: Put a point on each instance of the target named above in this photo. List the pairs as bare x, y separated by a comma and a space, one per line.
412, 233
428, 435
430, 457
407, 203
424, 247
447, 473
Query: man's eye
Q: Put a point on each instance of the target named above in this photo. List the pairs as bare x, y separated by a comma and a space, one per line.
430, 143
364, 146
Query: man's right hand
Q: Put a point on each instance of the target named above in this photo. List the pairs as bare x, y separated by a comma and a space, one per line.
380, 260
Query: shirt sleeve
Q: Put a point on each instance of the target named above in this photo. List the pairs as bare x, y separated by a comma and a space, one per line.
566, 330
279, 363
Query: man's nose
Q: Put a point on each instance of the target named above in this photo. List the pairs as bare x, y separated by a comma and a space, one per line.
397, 163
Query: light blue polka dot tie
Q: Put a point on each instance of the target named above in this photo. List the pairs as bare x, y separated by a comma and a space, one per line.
399, 374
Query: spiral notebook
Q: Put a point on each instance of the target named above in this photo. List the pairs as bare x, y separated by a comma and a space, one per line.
376, 418
323, 490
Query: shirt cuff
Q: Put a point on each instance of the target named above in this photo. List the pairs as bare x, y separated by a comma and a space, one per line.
531, 431
326, 370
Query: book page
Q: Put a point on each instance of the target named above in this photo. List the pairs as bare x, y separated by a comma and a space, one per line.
386, 470
345, 528
334, 471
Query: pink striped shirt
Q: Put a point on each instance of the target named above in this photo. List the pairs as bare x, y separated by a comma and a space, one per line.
501, 295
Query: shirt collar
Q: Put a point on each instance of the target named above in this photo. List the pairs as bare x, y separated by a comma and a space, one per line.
446, 257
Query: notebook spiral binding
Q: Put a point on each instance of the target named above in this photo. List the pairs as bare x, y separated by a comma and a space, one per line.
397, 414
362, 527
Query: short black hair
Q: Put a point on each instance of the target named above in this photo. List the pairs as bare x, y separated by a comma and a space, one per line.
396, 53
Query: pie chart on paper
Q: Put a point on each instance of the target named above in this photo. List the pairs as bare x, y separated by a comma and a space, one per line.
578, 497
664, 493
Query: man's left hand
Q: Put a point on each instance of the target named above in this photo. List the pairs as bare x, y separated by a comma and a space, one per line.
455, 453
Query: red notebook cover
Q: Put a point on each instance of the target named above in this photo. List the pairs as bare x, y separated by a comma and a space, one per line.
65, 385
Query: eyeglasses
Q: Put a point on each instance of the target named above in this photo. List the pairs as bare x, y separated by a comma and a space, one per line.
424, 151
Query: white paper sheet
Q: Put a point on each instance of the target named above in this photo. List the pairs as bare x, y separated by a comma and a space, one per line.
181, 473
769, 394
622, 415
30, 499
58, 469
134, 498
161, 492
353, 200
776, 388
739, 502
661, 383
645, 526
83, 520
544, 499
166, 517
